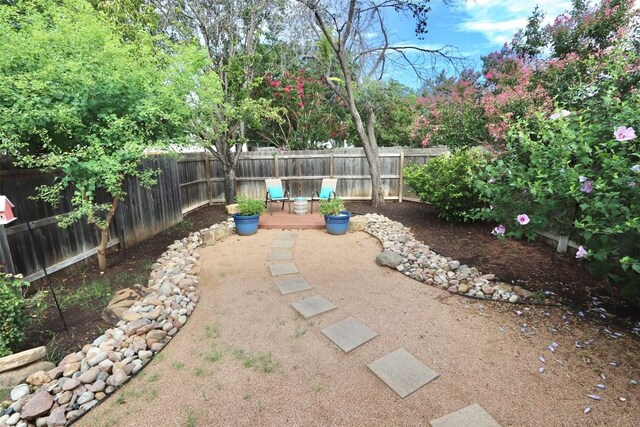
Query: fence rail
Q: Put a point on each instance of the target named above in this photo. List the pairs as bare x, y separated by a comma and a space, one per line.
184, 183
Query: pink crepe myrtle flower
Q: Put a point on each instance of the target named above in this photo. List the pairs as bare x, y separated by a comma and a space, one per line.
581, 252
501, 229
556, 116
587, 187
624, 133
523, 219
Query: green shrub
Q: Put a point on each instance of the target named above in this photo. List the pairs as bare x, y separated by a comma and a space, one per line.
248, 206
447, 182
332, 207
13, 306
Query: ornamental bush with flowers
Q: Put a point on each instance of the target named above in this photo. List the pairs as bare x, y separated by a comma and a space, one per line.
578, 172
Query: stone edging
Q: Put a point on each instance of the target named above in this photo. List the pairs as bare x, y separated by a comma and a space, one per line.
82, 379
416, 260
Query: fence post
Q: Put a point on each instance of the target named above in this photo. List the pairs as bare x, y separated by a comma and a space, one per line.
207, 176
331, 165
401, 177
5, 252
563, 242
276, 169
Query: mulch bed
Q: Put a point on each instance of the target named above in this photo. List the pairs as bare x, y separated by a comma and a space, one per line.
533, 265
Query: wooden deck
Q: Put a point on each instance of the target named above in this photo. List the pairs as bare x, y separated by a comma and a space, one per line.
282, 219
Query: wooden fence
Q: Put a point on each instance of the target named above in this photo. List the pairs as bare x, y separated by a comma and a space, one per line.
202, 181
185, 183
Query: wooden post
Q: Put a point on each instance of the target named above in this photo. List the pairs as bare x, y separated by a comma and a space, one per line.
331, 165
5, 252
276, 169
207, 175
401, 177
563, 242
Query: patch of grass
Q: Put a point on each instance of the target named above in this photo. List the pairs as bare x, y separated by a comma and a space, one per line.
211, 332
247, 396
213, 356
281, 323
191, 418
5, 393
159, 358
86, 295
153, 378
538, 296
151, 394
318, 387
262, 362
177, 365
219, 386
199, 372
300, 332
238, 353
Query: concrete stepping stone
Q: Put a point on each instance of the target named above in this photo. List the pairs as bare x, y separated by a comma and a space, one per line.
282, 244
471, 416
313, 306
287, 235
292, 285
280, 255
349, 334
402, 372
282, 269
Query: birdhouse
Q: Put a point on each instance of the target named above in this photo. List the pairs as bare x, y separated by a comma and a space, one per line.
6, 211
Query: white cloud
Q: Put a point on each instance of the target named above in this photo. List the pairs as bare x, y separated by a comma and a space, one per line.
498, 20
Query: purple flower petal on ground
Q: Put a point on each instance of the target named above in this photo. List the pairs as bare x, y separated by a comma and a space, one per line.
491, 180
581, 252
635, 168
523, 219
624, 133
582, 178
499, 230
587, 187
554, 116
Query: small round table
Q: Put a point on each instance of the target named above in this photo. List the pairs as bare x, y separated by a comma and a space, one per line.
300, 205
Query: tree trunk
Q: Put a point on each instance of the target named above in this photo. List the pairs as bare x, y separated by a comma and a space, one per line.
377, 193
104, 235
102, 249
229, 183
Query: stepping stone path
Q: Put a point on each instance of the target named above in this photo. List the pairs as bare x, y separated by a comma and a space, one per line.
282, 269
292, 286
278, 256
313, 306
402, 372
399, 370
349, 334
472, 415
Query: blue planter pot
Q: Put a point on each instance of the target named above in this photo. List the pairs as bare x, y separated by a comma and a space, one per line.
246, 225
337, 224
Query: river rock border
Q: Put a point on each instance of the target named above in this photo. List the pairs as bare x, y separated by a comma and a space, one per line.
82, 379
416, 260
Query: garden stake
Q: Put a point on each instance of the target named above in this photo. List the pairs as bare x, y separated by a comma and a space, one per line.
46, 275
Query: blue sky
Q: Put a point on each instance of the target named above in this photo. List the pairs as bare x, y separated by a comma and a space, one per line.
475, 27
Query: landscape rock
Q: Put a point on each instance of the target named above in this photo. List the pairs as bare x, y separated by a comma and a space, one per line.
389, 259
10, 379
38, 405
19, 391
57, 417
23, 358
89, 376
38, 378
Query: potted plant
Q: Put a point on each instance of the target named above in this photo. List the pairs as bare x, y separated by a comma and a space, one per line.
247, 216
336, 217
